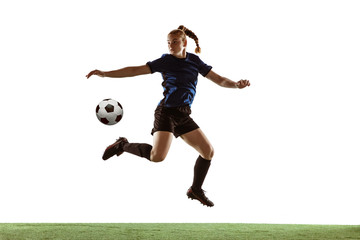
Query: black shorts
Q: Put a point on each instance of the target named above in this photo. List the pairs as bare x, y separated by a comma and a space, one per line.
174, 119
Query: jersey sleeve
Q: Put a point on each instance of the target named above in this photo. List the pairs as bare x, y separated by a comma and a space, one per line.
157, 65
204, 69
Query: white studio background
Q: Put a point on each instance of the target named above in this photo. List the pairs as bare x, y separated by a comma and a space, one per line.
286, 149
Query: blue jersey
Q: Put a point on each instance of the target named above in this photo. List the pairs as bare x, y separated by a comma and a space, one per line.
180, 77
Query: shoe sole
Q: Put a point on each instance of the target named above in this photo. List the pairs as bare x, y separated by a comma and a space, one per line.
193, 196
112, 150
109, 152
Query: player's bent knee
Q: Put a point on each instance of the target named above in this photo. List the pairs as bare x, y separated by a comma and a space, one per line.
208, 153
157, 157
212, 152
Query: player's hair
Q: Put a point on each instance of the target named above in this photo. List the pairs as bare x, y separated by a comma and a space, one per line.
183, 32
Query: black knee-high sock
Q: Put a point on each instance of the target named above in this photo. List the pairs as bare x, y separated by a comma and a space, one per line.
139, 149
200, 170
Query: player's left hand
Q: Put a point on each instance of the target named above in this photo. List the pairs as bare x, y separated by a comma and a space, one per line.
96, 72
242, 83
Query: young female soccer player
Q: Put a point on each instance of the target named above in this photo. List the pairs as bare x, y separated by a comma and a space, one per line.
179, 70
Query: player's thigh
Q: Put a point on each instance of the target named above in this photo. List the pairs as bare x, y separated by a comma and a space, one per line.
161, 145
200, 142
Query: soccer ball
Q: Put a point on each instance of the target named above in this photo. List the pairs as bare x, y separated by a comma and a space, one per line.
109, 111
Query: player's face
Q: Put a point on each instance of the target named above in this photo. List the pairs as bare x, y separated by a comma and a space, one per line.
176, 45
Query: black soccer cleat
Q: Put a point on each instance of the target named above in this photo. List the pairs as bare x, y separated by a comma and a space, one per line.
199, 195
115, 148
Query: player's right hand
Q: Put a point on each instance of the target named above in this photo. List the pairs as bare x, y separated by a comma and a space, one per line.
96, 72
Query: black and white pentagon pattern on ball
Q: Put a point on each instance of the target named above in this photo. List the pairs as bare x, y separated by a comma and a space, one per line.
109, 111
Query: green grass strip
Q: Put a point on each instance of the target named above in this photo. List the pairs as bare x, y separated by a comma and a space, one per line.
175, 231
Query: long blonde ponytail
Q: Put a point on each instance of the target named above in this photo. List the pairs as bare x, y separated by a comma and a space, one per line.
187, 32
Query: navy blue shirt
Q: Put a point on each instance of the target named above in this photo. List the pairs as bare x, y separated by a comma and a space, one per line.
180, 77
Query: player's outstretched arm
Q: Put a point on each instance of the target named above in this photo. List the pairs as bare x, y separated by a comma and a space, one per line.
123, 72
225, 82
